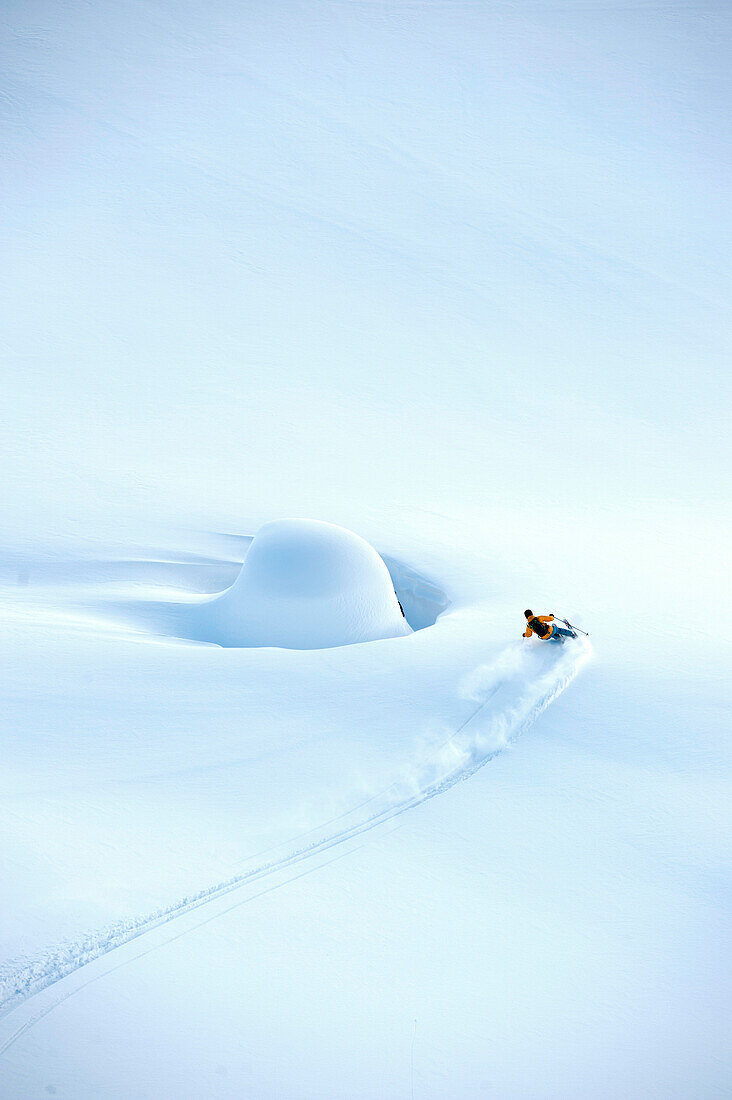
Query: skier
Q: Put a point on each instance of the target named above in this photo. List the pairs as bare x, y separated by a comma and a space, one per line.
541, 625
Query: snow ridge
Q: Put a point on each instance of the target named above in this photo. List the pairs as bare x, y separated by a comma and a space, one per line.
509, 702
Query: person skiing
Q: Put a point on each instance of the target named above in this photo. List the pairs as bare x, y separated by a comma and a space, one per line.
542, 626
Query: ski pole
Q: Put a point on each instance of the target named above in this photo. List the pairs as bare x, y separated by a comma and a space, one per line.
567, 623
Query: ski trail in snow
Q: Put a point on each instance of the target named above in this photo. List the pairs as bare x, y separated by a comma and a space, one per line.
483, 735
46, 1009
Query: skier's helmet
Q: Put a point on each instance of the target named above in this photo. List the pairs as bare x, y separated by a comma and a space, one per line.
528, 614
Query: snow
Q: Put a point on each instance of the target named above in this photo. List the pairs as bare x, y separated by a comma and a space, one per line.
304, 584
447, 276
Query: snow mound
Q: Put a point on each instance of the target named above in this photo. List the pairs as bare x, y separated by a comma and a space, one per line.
306, 584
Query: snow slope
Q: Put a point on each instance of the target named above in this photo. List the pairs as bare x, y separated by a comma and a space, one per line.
448, 275
302, 758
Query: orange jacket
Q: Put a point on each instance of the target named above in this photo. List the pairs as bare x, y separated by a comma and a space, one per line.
542, 619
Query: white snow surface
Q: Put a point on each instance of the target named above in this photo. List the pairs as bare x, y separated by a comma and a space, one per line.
448, 275
304, 584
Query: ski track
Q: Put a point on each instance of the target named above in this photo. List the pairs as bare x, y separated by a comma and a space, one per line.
24, 979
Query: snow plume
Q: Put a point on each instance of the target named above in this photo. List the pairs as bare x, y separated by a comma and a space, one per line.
510, 694
480, 683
